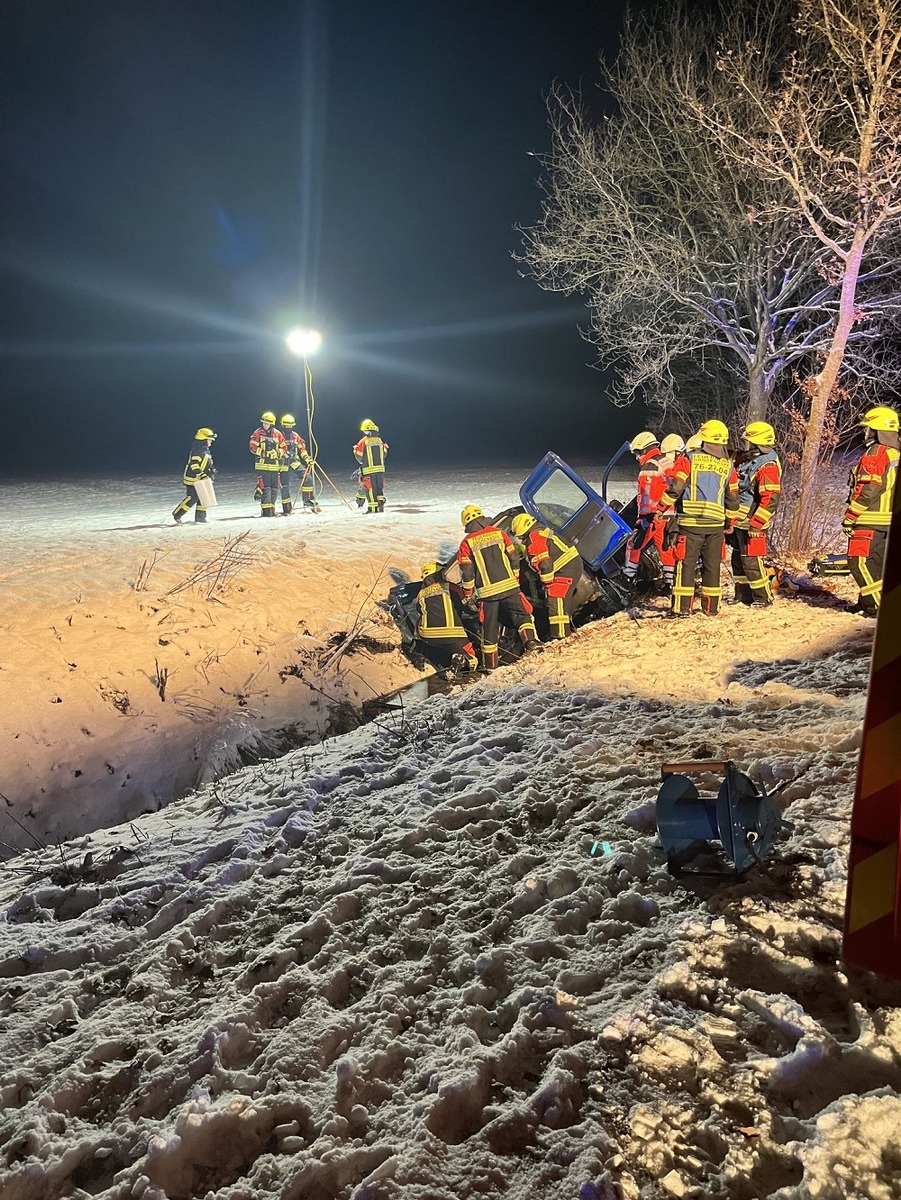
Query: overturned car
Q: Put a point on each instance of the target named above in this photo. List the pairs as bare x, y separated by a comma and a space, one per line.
556, 496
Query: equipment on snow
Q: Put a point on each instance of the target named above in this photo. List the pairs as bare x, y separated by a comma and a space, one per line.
741, 817
829, 564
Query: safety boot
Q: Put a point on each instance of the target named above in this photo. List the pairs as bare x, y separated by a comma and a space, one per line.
380, 507
287, 508
199, 517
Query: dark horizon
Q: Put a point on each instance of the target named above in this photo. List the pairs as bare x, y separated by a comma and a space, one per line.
185, 183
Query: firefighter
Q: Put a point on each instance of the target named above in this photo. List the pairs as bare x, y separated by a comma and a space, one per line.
438, 624
298, 458
270, 450
703, 487
759, 488
557, 565
870, 497
199, 466
489, 567
370, 452
652, 525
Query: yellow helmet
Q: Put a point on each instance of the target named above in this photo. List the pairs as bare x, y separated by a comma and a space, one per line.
521, 524
714, 432
642, 441
203, 433
759, 433
672, 444
288, 421
880, 418
368, 426
268, 416
430, 568
694, 442
470, 513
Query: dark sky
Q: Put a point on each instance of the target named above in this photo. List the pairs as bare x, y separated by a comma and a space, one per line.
183, 180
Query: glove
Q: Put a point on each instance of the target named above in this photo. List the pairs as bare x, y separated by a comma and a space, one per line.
848, 526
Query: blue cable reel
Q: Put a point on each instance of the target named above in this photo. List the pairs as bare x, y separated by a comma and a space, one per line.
741, 817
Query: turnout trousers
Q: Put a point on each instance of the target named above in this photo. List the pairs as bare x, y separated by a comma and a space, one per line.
191, 498
561, 600
374, 487
707, 545
866, 560
511, 608
749, 570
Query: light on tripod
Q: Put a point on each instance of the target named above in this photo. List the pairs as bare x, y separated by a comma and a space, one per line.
303, 342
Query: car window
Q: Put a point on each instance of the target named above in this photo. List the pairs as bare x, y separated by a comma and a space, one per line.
559, 499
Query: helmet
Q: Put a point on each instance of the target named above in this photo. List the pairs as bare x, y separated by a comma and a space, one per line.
470, 513
694, 442
268, 416
521, 524
642, 441
760, 433
430, 568
882, 419
368, 426
288, 421
203, 433
714, 432
672, 444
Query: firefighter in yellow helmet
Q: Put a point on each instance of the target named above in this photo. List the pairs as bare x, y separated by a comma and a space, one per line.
557, 565
370, 452
759, 489
489, 569
439, 624
199, 466
297, 459
871, 492
268, 446
703, 486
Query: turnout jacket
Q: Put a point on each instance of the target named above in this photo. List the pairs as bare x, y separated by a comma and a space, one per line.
871, 487
549, 555
200, 464
270, 448
703, 486
296, 450
759, 489
437, 616
488, 561
652, 482
370, 453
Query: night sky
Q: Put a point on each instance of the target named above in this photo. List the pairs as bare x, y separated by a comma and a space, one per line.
184, 180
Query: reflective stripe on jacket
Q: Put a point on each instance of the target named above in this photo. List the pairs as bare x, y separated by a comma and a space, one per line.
759, 489
704, 487
548, 554
872, 487
200, 464
296, 449
485, 563
437, 618
651, 482
270, 449
370, 453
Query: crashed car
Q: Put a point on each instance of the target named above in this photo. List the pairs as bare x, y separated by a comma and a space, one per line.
556, 496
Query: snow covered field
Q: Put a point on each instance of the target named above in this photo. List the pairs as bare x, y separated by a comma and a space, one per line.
389, 965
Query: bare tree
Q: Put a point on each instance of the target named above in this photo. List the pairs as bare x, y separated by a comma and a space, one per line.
684, 254
823, 125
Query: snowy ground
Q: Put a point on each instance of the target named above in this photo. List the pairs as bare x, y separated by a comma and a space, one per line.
388, 965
